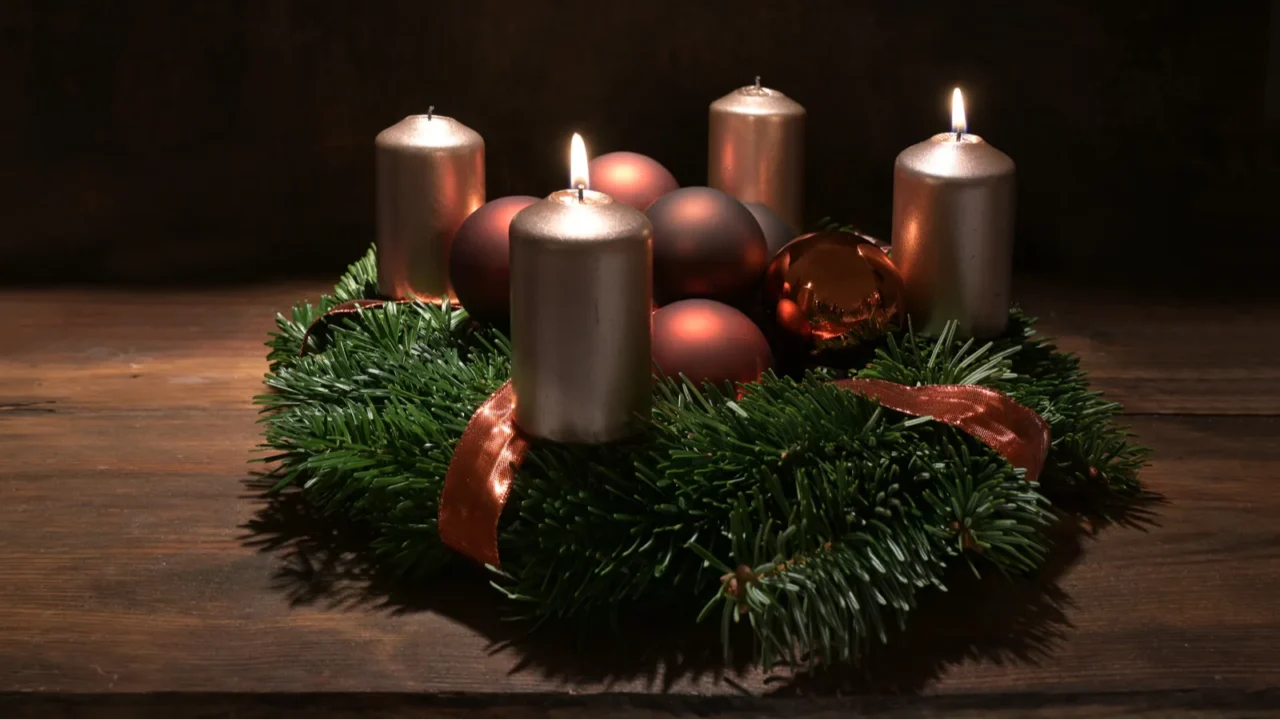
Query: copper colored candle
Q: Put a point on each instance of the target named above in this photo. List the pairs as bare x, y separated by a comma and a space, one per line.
581, 301
953, 204
756, 150
430, 177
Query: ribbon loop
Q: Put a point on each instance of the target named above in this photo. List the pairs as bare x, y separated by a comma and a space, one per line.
479, 477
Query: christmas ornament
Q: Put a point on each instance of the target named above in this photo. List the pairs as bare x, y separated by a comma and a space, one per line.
708, 341
776, 230
480, 261
833, 289
631, 178
884, 246
705, 245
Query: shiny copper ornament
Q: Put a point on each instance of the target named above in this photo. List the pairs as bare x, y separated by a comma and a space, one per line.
833, 289
708, 341
631, 178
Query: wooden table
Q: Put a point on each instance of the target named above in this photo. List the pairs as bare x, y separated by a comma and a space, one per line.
141, 570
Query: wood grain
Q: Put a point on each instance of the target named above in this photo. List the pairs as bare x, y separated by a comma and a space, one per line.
1166, 353
137, 555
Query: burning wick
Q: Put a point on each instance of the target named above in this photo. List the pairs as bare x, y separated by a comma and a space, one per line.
578, 177
957, 114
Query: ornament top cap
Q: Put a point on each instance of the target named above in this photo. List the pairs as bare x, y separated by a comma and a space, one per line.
758, 100
430, 131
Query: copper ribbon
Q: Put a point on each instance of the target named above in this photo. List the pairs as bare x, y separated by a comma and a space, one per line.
479, 478
353, 307
350, 307
485, 460
1014, 431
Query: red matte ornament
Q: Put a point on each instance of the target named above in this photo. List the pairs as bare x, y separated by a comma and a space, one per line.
631, 178
708, 341
706, 244
480, 259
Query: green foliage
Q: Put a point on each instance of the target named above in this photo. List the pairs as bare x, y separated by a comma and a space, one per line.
802, 510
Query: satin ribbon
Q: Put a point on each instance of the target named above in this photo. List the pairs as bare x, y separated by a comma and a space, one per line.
485, 460
479, 478
353, 307
1013, 430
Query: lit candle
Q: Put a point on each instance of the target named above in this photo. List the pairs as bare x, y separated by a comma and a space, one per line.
430, 177
581, 302
756, 150
953, 200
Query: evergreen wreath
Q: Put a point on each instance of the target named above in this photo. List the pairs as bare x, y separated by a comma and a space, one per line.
807, 511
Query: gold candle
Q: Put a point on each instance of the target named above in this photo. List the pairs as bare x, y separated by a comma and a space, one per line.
756, 150
953, 204
430, 177
581, 302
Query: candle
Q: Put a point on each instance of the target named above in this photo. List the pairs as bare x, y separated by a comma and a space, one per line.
756, 150
581, 301
430, 177
953, 199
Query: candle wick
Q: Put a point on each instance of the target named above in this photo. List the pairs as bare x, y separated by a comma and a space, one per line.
431, 110
959, 135
757, 82
582, 191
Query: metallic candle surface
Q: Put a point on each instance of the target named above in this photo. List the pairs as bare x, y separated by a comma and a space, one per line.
756, 150
430, 177
953, 206
581, 309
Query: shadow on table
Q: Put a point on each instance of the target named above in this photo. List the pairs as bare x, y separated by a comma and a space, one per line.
994, 618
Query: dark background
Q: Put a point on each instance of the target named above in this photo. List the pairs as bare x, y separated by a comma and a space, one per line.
199, 141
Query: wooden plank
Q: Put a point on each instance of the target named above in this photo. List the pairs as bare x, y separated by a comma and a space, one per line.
198, 349
130, 561
1196, 704
156, 350
1163, 354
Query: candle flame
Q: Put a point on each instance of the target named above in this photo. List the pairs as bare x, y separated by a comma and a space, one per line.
957, 112
578, 163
